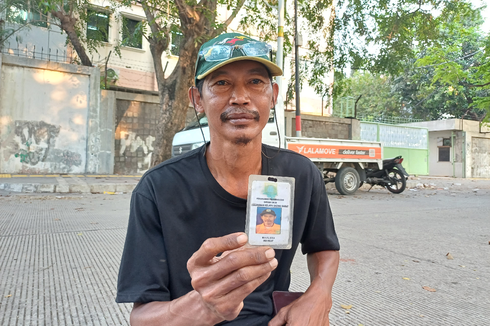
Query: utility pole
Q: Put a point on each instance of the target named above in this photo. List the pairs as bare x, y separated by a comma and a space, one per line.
279, 61
296, 72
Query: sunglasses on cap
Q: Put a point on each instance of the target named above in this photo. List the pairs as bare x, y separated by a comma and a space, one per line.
223, 52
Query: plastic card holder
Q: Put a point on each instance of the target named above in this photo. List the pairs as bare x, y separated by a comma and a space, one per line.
269, 219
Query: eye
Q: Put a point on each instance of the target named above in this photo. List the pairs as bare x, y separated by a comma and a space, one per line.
221, 83
256, 81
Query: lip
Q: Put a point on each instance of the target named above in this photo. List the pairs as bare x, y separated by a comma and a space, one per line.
240, 118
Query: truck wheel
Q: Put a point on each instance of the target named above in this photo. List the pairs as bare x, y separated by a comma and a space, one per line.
347, 181
398, 181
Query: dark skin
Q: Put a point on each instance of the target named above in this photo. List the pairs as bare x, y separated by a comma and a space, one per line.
268, 220
237, 99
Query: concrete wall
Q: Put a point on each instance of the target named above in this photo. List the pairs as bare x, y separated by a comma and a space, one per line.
480, 154
323, 127
50, 119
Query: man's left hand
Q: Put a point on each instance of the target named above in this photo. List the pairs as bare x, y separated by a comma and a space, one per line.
311, 309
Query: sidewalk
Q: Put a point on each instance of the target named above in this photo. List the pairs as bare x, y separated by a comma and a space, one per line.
68, 183
118, 184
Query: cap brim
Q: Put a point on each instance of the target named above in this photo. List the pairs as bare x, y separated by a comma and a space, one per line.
273, 68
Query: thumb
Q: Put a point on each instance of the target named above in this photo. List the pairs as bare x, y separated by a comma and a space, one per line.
281, 318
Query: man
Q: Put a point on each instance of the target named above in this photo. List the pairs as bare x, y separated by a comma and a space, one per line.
268, 226
185, 260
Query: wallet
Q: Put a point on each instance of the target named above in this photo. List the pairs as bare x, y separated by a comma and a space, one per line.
283, 298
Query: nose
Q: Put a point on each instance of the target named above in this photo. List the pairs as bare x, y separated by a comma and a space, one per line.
240, 95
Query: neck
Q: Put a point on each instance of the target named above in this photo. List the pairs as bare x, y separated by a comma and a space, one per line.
232, 164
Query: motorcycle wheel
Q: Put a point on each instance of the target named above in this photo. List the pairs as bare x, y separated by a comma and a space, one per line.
347, 181
398, 181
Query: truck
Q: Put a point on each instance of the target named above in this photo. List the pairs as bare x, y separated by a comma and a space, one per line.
341, 161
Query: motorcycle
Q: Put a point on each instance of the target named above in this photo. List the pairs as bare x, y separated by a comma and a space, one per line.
393, 176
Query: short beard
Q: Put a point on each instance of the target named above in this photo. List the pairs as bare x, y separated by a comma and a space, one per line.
243, 141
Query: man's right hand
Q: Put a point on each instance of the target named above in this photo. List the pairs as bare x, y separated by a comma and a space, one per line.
224, 282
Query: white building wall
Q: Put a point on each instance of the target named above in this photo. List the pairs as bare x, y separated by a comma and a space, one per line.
49, 117
470, 155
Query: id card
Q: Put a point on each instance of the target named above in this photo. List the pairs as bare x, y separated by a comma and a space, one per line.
270, 211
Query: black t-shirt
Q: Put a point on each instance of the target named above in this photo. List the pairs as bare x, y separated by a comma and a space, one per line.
179, 204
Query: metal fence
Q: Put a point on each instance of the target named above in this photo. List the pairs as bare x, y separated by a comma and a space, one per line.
41, 54
387, 120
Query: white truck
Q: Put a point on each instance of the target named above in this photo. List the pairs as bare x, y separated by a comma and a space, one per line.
341, 161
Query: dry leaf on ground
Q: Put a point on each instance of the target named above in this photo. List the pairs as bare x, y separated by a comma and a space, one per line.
428, 288
344, 306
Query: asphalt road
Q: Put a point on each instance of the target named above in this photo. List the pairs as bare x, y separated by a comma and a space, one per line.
59, 257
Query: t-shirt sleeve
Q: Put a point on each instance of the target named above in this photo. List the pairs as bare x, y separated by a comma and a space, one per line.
143, 274
319, 234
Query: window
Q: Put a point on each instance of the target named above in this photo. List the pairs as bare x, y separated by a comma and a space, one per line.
445, 150
132, 33
29, 12
175, 46
98, 25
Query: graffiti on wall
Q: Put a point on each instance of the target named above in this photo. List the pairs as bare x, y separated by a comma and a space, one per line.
132, 143
135, 134
32, 143
37, 138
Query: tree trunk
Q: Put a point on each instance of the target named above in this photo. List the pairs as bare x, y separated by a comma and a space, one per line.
68, 25
173, 93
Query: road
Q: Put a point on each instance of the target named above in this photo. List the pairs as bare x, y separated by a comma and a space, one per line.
59, 257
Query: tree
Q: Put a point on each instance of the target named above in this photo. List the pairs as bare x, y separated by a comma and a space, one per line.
72, 16
196, 22
9, 13
374, 95
419, 82
461, 62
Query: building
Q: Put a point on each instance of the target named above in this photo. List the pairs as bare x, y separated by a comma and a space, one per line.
458, 148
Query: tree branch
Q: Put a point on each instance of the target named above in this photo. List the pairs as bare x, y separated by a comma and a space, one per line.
234, 13
473, 85
156, 31
186, 13
441, 63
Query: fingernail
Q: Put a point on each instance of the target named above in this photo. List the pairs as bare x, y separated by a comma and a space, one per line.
270, 253
273, 263
241, 239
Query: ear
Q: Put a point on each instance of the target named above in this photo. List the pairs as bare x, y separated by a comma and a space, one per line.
195, 99
275, 93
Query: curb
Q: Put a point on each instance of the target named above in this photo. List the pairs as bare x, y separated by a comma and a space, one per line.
68, 188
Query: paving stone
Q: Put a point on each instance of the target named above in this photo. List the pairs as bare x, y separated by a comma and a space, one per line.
60, 255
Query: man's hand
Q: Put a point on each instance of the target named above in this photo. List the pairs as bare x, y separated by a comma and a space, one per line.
307, 310
224, 282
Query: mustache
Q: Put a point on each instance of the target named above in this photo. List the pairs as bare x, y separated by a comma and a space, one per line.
238, 110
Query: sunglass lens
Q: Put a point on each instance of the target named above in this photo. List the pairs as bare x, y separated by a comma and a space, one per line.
217, 52
256, 49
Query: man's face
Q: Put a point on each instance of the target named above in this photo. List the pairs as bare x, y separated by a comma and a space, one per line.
237, 99
268, 220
